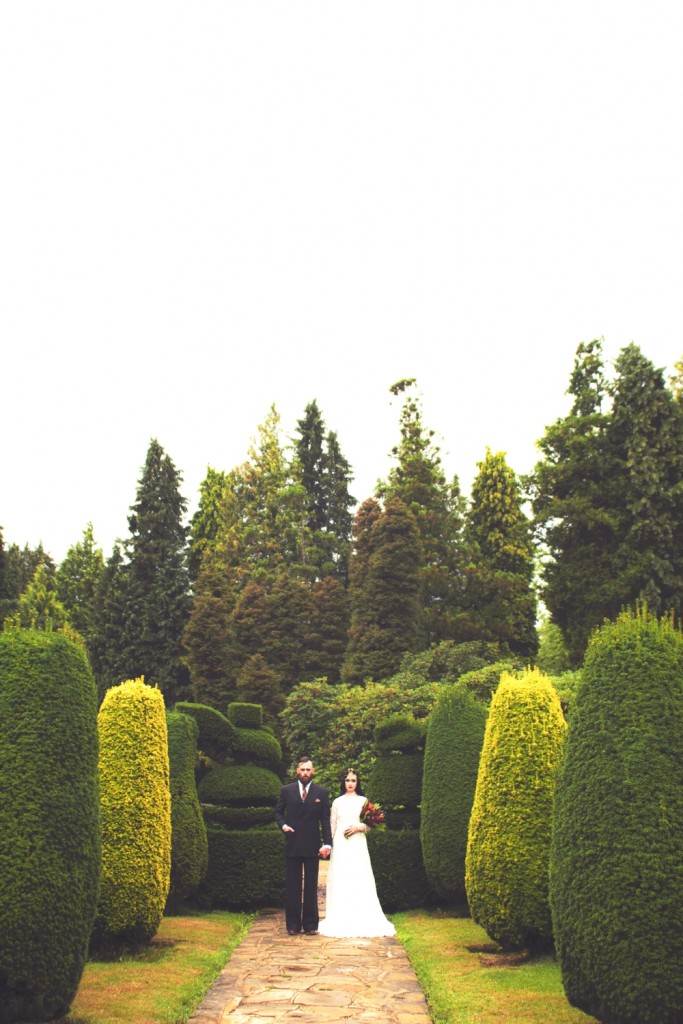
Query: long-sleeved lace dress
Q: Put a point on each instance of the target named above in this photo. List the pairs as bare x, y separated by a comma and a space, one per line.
352, 906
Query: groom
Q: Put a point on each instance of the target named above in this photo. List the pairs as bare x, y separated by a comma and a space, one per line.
303, 813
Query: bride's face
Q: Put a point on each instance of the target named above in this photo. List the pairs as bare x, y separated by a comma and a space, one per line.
351, 782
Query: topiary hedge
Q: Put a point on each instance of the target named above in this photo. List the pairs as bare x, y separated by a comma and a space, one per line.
616, 879
258, 745
506, 866
246, 867
238, 817
396, 780
217, 733
246, 716
49, 822
399, 872
136, 814
240, 786
189, 845
399, 733
454, 739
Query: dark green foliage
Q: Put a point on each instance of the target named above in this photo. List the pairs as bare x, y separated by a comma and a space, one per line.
217, 734
189, 850
206, 521
109, 618
454, 739
209, 638
238, 817
553, 656
39, 607
258, 746
325, 631
338, 503
157, 593
240, 786
400, 732
245, 868
500, 595
482, 682
78, 581
401, 817
19, 568
445, 662
617, 849
419, 482
385, 585
257, 681
399, 872
49, 822
396, 780
245, 715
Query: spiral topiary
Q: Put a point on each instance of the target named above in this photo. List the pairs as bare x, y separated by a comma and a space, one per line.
454, 739
136, 814
508, 847
49, 822
616, 878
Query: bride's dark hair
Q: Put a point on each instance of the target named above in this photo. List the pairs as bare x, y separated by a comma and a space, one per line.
342, 780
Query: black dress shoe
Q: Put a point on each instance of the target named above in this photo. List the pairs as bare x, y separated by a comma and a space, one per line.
311, 931
292, 931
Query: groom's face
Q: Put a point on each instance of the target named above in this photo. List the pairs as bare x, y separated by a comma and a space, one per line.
304, 771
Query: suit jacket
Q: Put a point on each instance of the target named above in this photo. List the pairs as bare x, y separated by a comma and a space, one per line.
310, 819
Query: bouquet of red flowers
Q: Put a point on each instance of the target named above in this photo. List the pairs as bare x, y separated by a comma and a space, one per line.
372, 814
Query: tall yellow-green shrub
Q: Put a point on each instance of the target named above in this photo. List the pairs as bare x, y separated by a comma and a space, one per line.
508, 843
135, 812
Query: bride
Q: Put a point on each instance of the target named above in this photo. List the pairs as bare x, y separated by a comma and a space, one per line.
352, 906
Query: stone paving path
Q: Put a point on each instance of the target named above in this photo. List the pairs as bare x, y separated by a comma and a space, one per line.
273, 978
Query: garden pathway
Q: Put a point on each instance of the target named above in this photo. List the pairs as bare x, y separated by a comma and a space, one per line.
273, 978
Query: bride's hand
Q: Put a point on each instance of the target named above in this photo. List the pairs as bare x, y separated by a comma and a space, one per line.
350, 830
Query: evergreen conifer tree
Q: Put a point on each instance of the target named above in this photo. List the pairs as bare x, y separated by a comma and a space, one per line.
309, 450
205, 523
157, 579
78, 579
385, 591
338, 504
325, 633
109, 619
419, 482
500, 589
19, 570
40, 608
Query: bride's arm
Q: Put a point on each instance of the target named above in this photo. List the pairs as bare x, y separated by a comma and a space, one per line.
333, 819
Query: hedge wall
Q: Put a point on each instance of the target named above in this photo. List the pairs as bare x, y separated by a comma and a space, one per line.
396, 780
454, 739
246, 868
399, 872
617, 851
238, 817
508, 848
246, 716
49, 822
136, 813
240, 786
217, 733
189, 846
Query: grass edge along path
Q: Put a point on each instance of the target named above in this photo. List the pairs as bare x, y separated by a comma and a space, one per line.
460, 990
164, 982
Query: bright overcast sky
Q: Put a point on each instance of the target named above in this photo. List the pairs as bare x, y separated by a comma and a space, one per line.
208, 207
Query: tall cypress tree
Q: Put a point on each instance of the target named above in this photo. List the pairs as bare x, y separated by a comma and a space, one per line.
78, 579
206, 521
576, 501
500, 577
158, 588
109, 623
339, 501
309, 450
418, 481
645, 434
384, 591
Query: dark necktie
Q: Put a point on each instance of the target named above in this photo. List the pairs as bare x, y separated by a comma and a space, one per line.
304, 791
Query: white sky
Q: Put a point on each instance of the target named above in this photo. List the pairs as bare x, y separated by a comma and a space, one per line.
206, 207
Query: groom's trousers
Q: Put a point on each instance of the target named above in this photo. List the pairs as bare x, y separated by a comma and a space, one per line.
301, 899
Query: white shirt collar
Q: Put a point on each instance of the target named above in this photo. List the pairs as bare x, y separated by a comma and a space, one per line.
301, 785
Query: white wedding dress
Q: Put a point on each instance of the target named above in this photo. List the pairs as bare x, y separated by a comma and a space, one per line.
352, 906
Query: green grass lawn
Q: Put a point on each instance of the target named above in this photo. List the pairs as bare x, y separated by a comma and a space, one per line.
460, 990
166, 981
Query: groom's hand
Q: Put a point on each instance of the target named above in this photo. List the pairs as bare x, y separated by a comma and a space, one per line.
325, 852
287, 828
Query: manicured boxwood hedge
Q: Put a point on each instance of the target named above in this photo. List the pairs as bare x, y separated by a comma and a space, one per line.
136, 814
246, 716
238, 817
259, 746
189, 846
246, 868
218, 734
454, 739
240, 786
396, 780
399, 872
508, 847
49, 822
617, 851
400, 732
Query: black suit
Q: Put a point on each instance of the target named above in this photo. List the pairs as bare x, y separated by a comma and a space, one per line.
310, 819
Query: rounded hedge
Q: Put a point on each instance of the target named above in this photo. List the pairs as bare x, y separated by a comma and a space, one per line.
240, 786
238, 817
400, 732
189, 847
217, 735
396, 780
451, 761
399, 872
246, 716
506, 865
136, 814
49, 822
246, 868
617, 850
258, 746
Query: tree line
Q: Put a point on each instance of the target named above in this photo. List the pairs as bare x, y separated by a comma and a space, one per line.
275, 580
